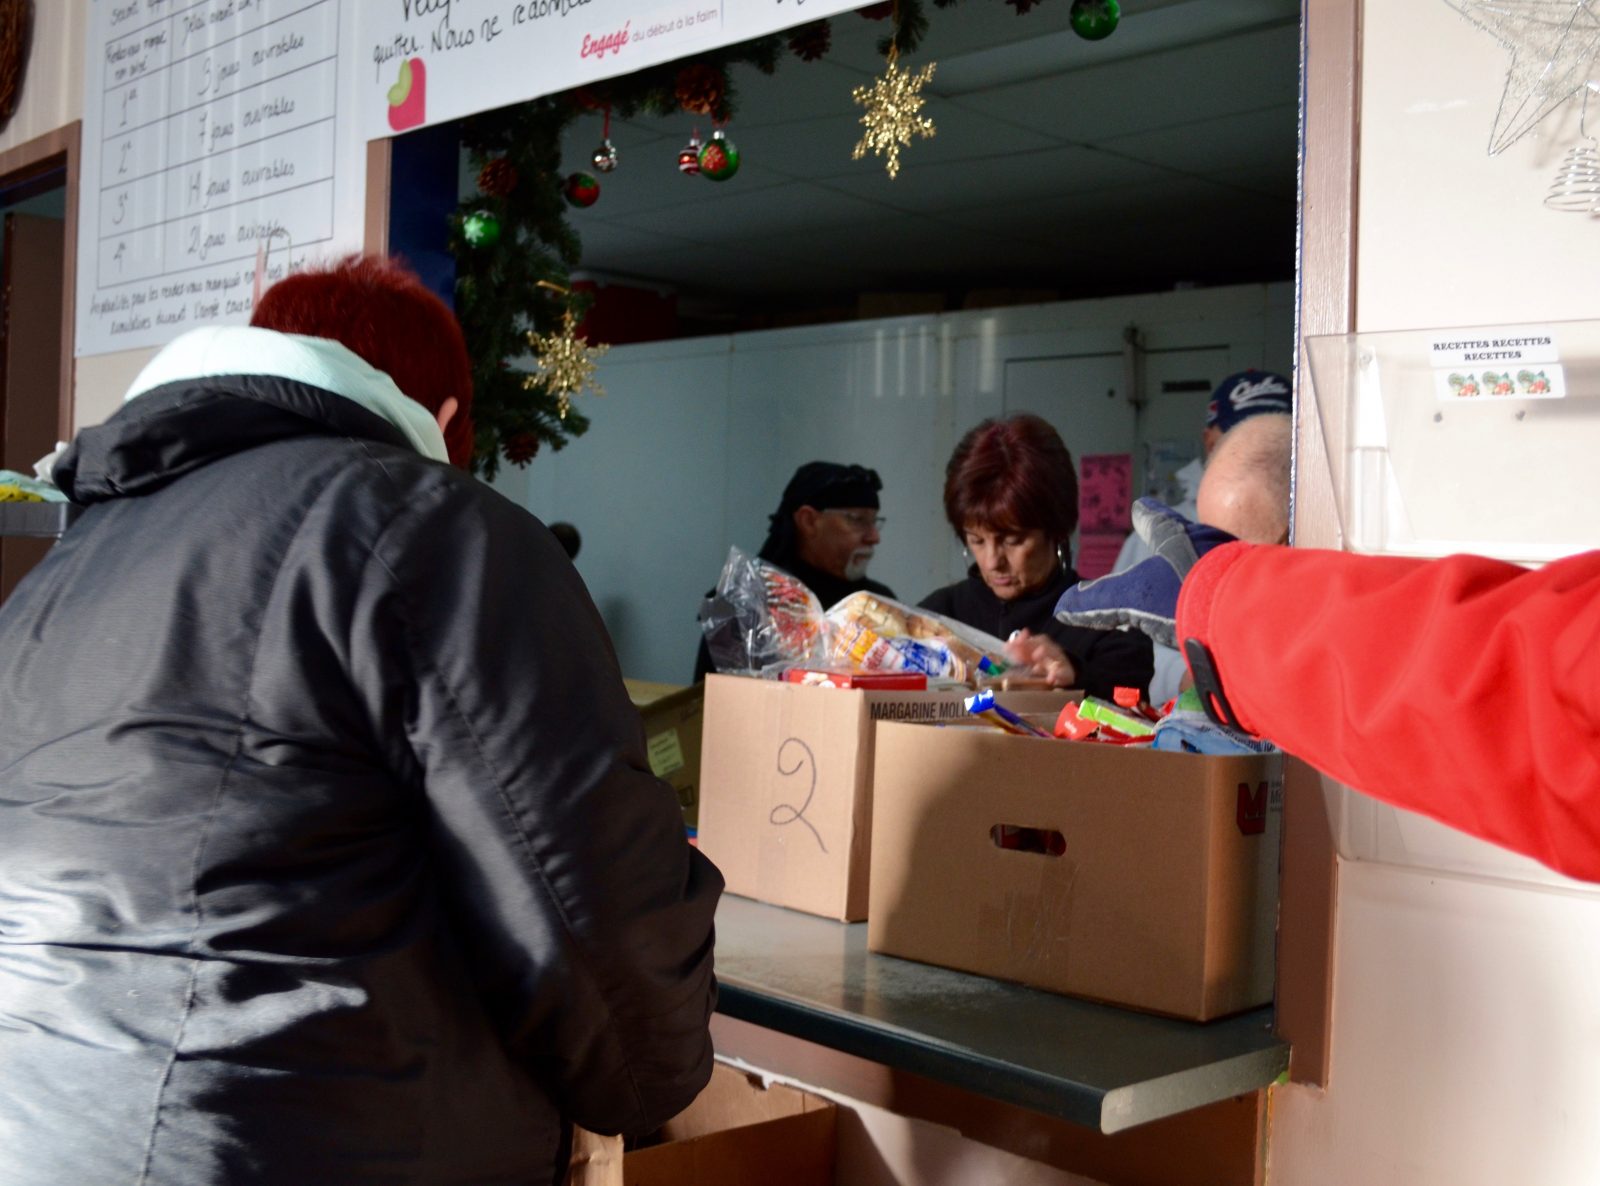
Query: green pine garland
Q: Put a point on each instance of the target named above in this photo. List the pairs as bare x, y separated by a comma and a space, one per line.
498, 297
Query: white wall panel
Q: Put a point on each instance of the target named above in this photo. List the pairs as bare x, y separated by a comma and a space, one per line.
694, 441
1466, 1018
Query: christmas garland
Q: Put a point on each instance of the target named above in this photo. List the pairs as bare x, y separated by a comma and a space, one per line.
515, 250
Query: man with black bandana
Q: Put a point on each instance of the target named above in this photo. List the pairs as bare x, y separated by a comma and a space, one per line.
824, 532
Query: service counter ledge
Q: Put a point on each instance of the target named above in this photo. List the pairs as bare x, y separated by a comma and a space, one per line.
40, 520
1093, 1065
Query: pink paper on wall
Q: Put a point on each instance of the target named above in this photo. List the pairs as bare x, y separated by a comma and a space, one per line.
1105, 488
1097, 552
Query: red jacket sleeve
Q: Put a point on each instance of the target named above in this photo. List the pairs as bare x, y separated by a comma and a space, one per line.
1466, 689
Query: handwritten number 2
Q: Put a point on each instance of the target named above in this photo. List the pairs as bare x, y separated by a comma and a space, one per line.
785, 813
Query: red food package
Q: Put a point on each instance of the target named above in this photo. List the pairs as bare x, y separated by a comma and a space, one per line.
895, 681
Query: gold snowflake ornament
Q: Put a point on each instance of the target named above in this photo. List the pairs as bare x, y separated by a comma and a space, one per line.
566, 363
891, 117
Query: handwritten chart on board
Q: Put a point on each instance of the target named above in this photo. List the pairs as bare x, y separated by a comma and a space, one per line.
210, 129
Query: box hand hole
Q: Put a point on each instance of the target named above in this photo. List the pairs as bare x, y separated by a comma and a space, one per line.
1017, 838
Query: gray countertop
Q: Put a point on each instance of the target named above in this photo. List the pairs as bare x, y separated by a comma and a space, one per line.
42, 519
1094, 1065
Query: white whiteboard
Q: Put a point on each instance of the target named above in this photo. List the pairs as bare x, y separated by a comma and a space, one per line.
209, 128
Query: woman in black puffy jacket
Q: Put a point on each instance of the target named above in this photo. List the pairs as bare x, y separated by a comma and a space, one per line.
329, 849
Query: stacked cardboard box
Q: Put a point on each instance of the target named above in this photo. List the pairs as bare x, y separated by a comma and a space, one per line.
735, 1133
672, 729
1141, 878
786, 784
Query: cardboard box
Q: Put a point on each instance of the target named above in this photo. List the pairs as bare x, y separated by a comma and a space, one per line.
673, 721
735, 1132
1154, 887
786, 784
738, 1132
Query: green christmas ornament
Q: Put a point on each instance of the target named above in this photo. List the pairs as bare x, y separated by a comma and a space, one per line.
719, 159
480, 229
581, 189
1095, 20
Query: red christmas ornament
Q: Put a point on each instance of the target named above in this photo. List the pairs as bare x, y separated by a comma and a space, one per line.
581, 189
522, 448
498, 178
878, 12
689, 155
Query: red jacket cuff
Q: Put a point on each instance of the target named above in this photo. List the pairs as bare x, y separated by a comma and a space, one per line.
1197, 597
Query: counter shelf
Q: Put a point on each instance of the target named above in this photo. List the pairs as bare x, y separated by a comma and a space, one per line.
1094, 1065
41, 520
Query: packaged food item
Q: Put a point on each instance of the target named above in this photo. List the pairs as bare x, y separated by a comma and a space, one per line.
1186, 729
761, 619
894, 681
982, 705
1092, 719
876, 633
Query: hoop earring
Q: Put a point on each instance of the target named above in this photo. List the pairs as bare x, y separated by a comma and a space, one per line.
1061, 556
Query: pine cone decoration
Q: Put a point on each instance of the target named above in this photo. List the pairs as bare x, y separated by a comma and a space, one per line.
878, 12
700, 89
812, 41
522, 448
16, 17
498, 178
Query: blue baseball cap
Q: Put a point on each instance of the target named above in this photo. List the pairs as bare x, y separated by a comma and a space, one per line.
1246, 394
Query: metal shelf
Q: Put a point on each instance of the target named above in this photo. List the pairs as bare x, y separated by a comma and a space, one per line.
39, 519
1094, 1065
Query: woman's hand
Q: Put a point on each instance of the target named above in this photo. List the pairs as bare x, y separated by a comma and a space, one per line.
1041, 653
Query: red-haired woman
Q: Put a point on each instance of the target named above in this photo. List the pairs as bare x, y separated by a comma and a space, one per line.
1011, 495
331, 849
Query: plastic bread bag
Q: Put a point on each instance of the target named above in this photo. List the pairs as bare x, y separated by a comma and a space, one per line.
761, 619
874, 633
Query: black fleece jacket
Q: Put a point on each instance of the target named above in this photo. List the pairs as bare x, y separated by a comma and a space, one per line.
1104, 659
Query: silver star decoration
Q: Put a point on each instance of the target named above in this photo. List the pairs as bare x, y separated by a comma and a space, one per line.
1553, 45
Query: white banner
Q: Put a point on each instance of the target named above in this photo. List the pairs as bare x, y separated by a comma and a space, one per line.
210, 127
426, 61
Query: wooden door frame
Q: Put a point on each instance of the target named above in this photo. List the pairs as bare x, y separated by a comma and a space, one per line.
56, 150
1325, 284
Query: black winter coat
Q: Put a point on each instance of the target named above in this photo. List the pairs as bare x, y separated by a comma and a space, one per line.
1104, 659
329, 849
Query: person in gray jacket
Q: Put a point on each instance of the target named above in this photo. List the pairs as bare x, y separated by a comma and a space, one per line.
329, 847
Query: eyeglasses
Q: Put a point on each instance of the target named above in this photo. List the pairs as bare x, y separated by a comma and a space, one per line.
860, 520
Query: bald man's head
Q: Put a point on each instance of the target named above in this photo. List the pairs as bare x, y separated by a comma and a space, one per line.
1245, 490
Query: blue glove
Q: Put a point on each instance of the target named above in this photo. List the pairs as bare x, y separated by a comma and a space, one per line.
1146, 596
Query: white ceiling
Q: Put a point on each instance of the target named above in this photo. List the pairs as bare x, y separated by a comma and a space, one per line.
1163, 155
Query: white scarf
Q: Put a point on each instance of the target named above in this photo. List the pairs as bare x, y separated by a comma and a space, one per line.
319, 362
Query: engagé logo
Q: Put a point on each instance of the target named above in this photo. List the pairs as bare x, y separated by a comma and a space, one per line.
610, 43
